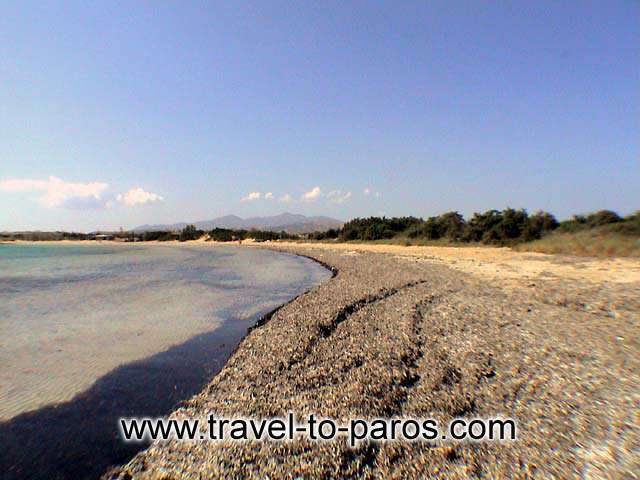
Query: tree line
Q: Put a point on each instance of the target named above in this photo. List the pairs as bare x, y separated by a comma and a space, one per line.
43, 236
190, 232
228, 235
496, 227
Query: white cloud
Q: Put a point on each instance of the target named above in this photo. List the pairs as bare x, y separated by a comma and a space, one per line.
137, 196
56, 192
252, 196
338, 196
268, 196
312, 195
286, 198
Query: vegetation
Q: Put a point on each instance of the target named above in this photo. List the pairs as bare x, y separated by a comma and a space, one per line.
222, 235
450, 225
228, 235
331, 234
159, 236
584, 222
376, 228
602, 233
506, 227
43, 236
190, 232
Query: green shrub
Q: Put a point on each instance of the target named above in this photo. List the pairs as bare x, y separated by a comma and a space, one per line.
376, 228
603, 217
326, 235
539, 225
221, 235
190, 233
228, 235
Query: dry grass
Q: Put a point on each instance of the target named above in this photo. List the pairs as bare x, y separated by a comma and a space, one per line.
397, 240
498, 264
606, 241
592, 243
422, 242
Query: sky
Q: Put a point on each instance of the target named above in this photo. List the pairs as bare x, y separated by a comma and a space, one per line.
116, 114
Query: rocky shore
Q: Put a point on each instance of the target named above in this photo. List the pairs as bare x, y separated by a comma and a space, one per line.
405, 336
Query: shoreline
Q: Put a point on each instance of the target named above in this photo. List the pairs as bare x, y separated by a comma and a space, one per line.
204, 352
407, 302
492, 263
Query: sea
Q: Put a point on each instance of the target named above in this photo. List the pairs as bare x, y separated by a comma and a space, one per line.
90, 333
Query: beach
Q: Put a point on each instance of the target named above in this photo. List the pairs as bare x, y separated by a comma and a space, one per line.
311, 240
73, 312
92, 332
549, 341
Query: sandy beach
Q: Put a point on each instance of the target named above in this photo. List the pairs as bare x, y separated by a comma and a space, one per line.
428, 332
273, 216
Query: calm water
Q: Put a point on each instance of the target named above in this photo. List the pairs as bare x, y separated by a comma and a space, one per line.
89, 333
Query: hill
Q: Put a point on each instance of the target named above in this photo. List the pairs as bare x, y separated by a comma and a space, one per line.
289, 222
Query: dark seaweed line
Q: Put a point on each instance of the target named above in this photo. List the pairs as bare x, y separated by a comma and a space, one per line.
326, 330
366, 457
350, 309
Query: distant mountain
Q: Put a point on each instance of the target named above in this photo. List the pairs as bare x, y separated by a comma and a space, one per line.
289, 222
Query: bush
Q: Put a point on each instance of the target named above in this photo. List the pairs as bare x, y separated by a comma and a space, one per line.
603, 217
376, 228
450, 225
221, 235
160, 236
480, 224
227, 235
190, 233
539, 225
329, 234
584, 222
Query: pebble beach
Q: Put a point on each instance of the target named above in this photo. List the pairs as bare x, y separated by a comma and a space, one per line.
393, 335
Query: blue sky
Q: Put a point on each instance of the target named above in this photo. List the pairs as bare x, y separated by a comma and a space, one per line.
121, 113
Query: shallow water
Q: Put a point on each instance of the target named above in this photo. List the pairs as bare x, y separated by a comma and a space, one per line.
70, 314
90, 334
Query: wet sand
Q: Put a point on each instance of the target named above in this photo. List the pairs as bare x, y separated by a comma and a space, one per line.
553, 344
